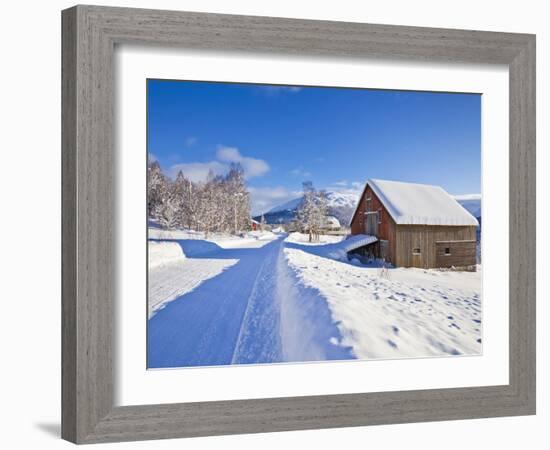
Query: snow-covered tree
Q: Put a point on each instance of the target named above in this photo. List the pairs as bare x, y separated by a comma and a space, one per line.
320, 216
312, 211
220, 204
157, 189
207, 211
236, 194
262, 223
178, 199
190, 204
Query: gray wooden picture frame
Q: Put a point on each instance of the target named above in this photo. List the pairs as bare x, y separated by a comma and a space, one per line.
90, 34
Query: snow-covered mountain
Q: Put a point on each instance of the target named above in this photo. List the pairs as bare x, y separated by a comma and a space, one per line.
470, 202
341, 205
291, 205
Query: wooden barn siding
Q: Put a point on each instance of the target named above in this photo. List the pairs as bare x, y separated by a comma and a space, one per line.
425, 238
386, 229
463, 253
357, 225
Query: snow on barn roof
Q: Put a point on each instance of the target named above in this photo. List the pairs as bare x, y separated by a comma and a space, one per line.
419, 204
359, 240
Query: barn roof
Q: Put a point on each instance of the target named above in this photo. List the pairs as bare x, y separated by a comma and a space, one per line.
419, 204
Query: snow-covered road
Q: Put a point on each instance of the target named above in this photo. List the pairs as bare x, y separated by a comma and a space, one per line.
276, 298
251, 312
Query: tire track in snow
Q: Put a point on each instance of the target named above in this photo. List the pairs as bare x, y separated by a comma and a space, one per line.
258, 340
201, 328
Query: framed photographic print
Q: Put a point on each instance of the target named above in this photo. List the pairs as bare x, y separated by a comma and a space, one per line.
268, 222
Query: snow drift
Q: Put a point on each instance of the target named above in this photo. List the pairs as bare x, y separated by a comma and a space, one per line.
333, 247
162, 253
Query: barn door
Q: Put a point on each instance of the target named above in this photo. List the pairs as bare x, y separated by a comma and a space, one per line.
371, 223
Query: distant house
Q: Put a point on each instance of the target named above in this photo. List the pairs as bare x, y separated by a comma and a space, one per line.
254, 224
416, 225
331, 223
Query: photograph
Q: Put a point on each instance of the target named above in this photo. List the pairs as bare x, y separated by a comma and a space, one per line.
299, 224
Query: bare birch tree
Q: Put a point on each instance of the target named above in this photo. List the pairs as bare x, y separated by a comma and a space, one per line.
219, 204
312, 211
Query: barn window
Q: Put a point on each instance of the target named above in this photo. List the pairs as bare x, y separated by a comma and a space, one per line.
447, 251
379, 216
368, 203
416, 251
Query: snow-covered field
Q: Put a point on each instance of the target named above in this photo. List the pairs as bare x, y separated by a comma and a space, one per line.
272, 297
399, 312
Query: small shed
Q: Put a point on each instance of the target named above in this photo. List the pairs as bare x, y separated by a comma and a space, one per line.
416, 225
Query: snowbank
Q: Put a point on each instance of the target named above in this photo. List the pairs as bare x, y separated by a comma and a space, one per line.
170, 281
250, 239
181, 260
303, 238
397, 313
334, 247
162, 253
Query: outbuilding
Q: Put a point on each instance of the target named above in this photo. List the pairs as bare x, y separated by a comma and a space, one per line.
254, 224
416, 225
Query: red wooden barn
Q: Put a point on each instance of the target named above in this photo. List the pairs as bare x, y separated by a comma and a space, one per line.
416, 225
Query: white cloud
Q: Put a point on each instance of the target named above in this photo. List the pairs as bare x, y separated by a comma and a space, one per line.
190, 141
198, 171
346, 187
263, 199
300, 173
252, 167
341, 183
228, 154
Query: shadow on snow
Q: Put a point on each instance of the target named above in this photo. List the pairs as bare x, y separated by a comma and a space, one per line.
335, 252
256, 311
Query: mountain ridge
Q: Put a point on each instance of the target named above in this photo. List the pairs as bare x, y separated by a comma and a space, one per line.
342, 205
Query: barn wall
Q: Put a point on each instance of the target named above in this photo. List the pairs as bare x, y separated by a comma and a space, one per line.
461, 253
425, 237
386, 229
357, 225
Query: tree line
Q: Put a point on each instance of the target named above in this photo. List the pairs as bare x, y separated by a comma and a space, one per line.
219, 204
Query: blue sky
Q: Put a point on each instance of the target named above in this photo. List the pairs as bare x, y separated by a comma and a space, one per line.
337, 138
